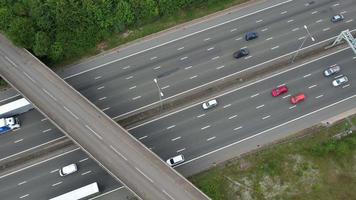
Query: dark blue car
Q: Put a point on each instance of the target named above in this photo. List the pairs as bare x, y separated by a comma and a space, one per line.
251, 36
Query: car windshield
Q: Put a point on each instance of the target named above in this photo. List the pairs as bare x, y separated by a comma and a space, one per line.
171, 161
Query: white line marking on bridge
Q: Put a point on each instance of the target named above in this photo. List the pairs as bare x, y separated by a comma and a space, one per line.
97, 135
70, 112
49, 94
144, 175
118, 153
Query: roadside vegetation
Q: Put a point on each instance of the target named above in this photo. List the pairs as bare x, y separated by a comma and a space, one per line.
63, 31
312, 166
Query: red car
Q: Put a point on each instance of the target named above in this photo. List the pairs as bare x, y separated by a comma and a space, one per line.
279, 90
297, 98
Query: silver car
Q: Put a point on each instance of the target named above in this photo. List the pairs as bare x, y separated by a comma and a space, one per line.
333, 69
340, 81
210, 104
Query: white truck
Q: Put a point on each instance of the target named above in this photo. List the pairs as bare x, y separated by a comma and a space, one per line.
8, 112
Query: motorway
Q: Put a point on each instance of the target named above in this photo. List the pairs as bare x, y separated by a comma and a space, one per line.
240, 114
111, 146
117, 89
106, 86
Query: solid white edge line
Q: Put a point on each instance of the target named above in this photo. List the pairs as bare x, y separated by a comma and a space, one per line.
267, 130
38, 163
179, 38
239, 88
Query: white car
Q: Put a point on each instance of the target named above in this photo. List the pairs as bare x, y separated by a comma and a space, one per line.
69, 169
175, 160
210, 104
332, 70
340, 81
337, 18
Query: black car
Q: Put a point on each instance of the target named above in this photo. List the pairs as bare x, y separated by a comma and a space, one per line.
251, 36
241, 53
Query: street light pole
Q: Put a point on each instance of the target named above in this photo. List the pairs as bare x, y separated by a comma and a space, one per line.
159, 91
311, 37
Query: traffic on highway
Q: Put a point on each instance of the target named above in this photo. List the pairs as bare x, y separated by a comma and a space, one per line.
197, 129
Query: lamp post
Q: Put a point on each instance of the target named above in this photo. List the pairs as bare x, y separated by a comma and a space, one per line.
311, 37
159, 91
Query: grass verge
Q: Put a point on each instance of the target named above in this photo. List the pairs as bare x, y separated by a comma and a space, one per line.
315, 166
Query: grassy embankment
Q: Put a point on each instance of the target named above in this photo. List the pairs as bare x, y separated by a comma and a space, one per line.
313, 167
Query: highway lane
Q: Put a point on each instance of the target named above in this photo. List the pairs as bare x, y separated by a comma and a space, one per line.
204, 61
100, 137
43, 181
246, 112
109, 87
240, 114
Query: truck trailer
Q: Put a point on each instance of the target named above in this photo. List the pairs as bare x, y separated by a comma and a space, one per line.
15, 108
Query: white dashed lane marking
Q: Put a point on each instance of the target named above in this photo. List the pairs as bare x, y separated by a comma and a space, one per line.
170, 127
232, 117
205, 127
153, 58
237, 128
307, 75
312, 86
180, 150
270, 38
220, 67
284, 12
286, 96
266, 117
319, 96
295, 29
226, 106
255, 95
292, 107
177, 138
180, 48
210, 138
87, 172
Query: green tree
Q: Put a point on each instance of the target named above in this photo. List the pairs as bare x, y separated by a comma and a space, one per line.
5, 18
42, 44
21, 32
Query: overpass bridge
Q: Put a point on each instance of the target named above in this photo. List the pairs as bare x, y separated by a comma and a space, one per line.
110, 145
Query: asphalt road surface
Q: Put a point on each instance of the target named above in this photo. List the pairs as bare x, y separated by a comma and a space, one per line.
111, 80
114, 86
105, 141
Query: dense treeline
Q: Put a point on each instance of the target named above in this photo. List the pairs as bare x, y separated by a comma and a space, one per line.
62, 29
